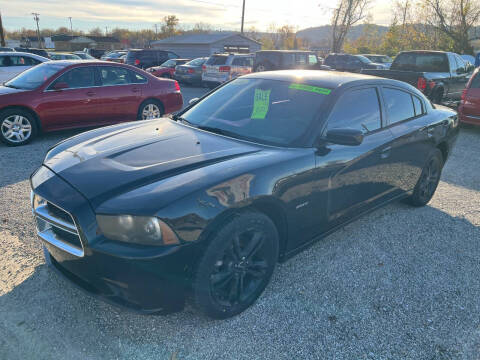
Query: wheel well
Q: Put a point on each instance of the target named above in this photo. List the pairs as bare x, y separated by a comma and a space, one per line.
159, 102
443, 147
272, 211
278, 217
30, 111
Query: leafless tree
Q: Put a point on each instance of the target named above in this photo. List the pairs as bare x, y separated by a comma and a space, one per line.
345, 15
456, 19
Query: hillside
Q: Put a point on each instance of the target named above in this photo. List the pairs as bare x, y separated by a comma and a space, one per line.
321, 35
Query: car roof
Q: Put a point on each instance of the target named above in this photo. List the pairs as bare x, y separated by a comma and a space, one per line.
285, 51
328, 79
17, 53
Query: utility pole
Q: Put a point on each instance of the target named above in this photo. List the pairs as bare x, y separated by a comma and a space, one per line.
37, 19
156, 31
106, 31
71, 27
243, 15
2, 35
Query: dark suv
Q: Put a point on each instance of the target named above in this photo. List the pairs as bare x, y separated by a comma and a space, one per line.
147, 58
351, 63
267, 60
39, 52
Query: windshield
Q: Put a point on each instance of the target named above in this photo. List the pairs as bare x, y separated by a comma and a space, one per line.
196, 62
265, 111
363, 59
424, 62
34, 77
169, 63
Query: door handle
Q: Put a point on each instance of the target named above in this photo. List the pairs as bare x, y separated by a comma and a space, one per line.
90, 93
135, 90
385, 153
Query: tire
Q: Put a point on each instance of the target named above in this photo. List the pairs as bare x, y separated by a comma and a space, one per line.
237, 265
261, 67
437, 98
17, 127
429, 179
150, 109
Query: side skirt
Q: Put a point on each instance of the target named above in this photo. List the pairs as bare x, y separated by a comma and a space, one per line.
309, 243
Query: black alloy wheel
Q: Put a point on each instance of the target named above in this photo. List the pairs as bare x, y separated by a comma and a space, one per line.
237, 265
429, 179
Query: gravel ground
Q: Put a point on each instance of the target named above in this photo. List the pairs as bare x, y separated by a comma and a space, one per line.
400, 283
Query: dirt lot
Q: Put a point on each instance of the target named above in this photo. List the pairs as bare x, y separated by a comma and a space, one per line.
401, 283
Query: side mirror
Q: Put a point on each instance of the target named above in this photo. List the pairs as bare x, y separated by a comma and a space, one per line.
349, 137
193, 101
60, 86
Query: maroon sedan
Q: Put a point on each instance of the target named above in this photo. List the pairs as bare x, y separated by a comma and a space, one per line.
469, 109
167, 69
59, 95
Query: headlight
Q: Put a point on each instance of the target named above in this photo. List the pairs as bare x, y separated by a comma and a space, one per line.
142, 230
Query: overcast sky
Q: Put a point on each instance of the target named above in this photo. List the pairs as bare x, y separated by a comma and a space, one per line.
143, 14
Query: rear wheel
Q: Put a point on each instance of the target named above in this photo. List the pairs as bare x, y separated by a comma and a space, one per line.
17, 127
261, 67
150, 109
429, 179
236, 266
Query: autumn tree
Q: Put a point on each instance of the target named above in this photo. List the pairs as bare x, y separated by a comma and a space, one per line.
169, 26
456, 19
347, 14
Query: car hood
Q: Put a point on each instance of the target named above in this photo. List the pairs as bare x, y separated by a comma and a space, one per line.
4, 90
107, 162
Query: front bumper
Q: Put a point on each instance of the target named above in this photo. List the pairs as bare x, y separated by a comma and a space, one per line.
142, 279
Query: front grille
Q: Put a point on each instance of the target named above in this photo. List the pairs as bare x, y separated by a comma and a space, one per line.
56, 226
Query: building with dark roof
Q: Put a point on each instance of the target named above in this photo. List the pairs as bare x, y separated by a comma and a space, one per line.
65, 42
201, 45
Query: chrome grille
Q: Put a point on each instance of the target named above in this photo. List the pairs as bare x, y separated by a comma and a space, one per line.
56, 226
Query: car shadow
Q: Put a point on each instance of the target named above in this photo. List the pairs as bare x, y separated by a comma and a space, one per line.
462, 167
400, 280
17, 163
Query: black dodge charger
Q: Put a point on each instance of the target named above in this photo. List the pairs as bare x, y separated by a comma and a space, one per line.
204, 204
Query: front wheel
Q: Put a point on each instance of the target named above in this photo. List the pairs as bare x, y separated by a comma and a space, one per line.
17, 127
429, 179
149, 110
236, 266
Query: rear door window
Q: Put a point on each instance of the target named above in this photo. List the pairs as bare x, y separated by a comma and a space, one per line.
136, 78
357, 109
399, 105
288, 59
112, 75
418, 105
301, 59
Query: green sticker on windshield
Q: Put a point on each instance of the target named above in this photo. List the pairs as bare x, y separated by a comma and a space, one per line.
309, 88
261, 103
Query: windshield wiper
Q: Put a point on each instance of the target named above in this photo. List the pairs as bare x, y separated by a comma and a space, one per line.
11, 86
225, 133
